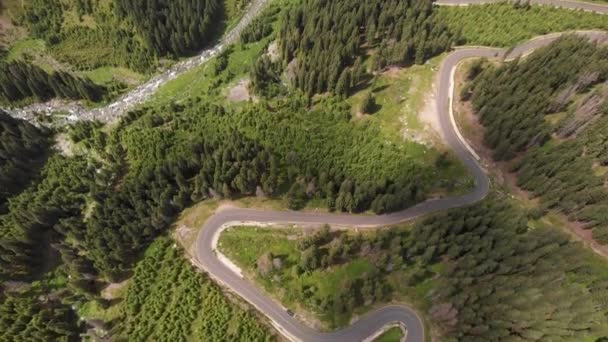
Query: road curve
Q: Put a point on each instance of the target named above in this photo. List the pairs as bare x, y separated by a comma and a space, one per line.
207, 257
569, 4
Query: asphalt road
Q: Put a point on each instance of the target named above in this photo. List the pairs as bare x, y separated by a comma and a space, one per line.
575, 5
372, 322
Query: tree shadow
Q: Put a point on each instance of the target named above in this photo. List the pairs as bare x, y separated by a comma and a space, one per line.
380, 88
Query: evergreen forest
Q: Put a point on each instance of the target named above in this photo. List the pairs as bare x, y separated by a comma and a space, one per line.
22, 151
550, 110
90, 207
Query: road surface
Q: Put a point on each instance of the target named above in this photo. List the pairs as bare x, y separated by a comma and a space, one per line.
207, 254
569, 4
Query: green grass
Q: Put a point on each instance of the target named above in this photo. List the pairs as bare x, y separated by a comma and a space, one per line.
394, 334
93, 310
33, 50
200, 82
401, 94
25, 47
107, 75
330, 282
245, 245
503, 25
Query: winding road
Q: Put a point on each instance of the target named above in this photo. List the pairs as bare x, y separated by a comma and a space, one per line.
222, 270
216, 265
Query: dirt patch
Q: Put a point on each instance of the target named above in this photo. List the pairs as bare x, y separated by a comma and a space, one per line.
113, 290
392, 72
273, 51
64, 145
184, 233
585, 236
428, 115
291, 71
240, 92
9, 32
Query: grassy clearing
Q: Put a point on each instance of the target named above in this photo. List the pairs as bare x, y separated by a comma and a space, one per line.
244, 245
108, 75
201, 81
33, 50
95, 310
401, 95
306, 292
191, 220
505, 26
394, 334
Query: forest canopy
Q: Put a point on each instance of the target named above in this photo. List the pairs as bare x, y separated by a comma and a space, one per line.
552, 109
23, 148
176, 28
324, 38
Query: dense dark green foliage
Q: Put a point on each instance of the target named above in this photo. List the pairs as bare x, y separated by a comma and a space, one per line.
50, 208
512, 100
19, 80
563, 157
167, 157
564, 176
109, 42
265, 77
261, 26
505, 24
169, 301
177, 27
326, 36
503, 281
44, 19
22, 150
30, 315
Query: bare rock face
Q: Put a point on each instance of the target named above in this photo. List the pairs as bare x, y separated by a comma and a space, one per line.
265, 264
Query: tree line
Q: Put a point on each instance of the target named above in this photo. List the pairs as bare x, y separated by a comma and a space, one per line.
160, 160
174, 28
20, 80
22, 152
326, 39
